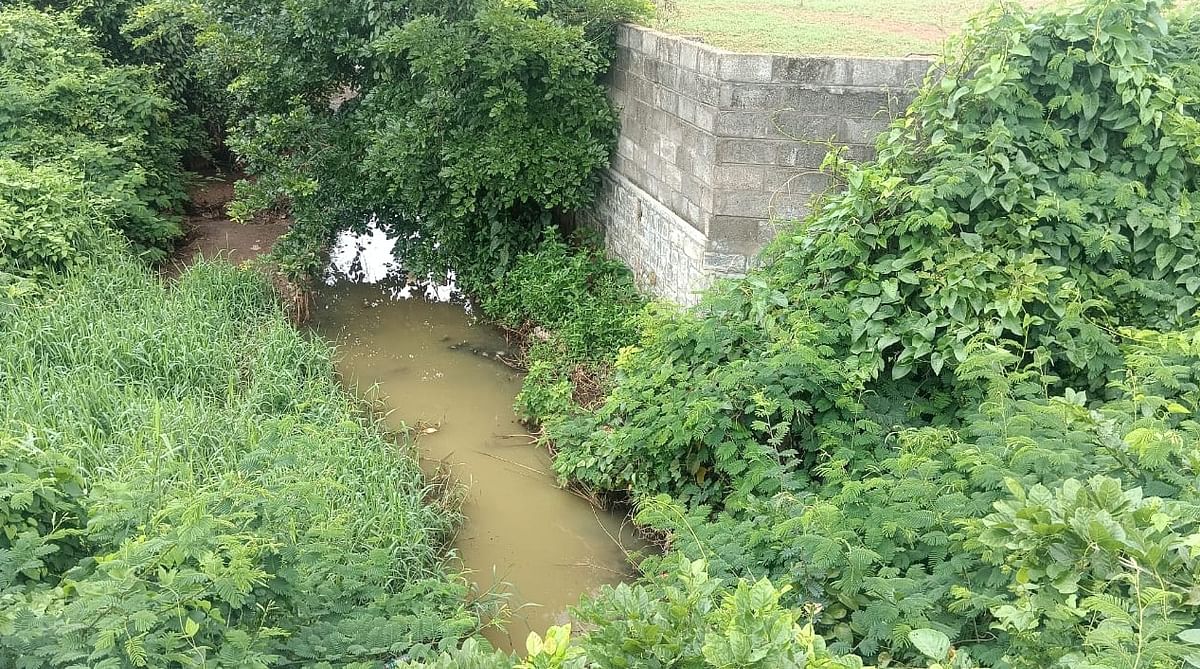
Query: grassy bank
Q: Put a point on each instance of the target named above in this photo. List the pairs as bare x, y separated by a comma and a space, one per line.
202, 489
843, 27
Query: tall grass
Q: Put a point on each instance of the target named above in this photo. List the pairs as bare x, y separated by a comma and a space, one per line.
198, 409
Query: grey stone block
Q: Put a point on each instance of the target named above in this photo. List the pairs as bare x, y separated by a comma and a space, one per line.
665, 150
673, 179
743, 124
789, 206
861, 130
745, 151
888, 72
675, 131
689, 56
780, 180
667, 100
762, 97
641, 89
649, 45
636, 64
739, 177
662, 73
806, 70
801, 154
747, 248
622, 34
706, 118
668, 50
733, 229
687, 109
692, 186
618, 78
724, 263
750, 67
746, 204
633, 37
709, 61
798, 126
700, 88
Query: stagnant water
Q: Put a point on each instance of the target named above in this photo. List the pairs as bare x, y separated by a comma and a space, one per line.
418, 348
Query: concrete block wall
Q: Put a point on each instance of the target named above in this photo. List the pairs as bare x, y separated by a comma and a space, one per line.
725, 145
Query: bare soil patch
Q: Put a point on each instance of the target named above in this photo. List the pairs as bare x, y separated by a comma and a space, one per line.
210, 233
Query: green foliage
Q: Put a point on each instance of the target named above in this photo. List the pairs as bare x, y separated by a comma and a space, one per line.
41, 513
1040, 190
183, 483
85, 148
576, 309
685, 618
586, 299
705, 404
1096, 550
960, 396
939, 530
135, 32
470, 123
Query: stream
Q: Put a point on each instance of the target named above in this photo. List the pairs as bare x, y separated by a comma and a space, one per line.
417, 348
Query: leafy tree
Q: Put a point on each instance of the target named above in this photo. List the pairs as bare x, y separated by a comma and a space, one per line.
469, 123
85, 148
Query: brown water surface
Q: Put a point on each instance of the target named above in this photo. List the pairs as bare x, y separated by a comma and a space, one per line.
434, 366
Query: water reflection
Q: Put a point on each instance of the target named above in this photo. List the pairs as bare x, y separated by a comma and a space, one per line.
370, 258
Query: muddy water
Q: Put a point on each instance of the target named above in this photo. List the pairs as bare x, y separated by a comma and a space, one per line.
434, 366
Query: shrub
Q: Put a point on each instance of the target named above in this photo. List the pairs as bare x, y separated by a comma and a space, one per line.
934, 532
85, 147
574, 309
685, 618
137, 32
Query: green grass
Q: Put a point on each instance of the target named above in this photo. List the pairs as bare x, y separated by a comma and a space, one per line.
206, 469
845, 27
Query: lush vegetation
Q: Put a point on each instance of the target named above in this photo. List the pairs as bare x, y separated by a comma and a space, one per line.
949, 422
961, 395
184, 484
470, 124
182, 481
572, 310
85, 148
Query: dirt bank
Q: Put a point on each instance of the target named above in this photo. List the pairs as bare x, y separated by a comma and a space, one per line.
210, 233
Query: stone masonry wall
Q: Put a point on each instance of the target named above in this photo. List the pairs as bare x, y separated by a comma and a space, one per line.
717, 146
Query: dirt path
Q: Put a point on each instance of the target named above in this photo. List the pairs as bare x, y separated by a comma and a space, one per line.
209, 233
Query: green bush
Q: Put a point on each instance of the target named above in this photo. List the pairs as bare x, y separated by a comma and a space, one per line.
182, 482
576, 309
85, 147
586, 299
138, 32
685, 618
939, 530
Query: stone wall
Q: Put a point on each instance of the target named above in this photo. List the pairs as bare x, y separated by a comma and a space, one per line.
715, 147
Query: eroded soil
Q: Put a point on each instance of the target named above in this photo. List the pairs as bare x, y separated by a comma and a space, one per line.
210, 233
